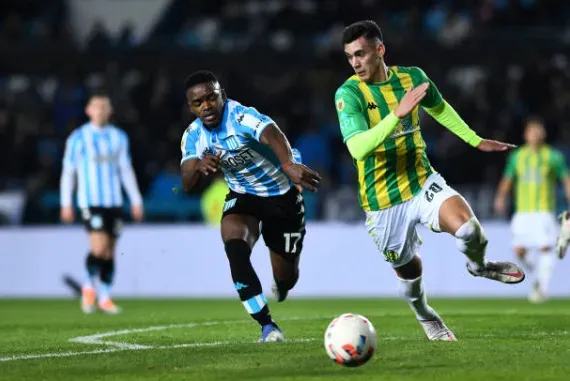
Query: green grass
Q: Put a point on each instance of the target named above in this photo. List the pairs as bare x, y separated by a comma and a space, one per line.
499, 339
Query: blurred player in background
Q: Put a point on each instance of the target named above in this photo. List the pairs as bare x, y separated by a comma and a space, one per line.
98, 153
378, 110
534, 169
259, 168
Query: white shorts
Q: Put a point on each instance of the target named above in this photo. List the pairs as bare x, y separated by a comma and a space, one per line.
534, 230
394, 229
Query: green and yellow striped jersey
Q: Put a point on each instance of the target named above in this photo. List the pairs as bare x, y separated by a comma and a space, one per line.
399, 167
535, 173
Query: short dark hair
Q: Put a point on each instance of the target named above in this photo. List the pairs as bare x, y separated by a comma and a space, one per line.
534, 119
365, 28
99, 93
200, 76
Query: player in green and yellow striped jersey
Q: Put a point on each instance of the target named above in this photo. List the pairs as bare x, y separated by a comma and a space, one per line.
534, 169
378, 111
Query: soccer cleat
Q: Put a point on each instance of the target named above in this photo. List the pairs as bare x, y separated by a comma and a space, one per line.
279, 295
270, 333
436, 330
505, 272
564, 235
88, 297
109, 307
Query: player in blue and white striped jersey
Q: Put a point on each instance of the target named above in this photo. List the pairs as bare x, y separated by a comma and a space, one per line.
258, 165
98, 153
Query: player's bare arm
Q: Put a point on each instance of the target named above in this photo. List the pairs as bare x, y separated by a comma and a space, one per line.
192, 169
503, 191
299, 174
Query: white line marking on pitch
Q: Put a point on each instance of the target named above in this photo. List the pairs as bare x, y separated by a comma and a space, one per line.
96, 339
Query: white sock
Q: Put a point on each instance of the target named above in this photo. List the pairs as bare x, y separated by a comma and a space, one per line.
472, 242
526, 261
545, 266
414, 293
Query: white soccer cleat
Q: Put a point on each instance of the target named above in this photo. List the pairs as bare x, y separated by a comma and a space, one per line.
564, 235
436, 330
504, 272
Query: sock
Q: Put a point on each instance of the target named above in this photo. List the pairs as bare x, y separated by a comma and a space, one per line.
106, 276
287, 284
415, 295
93, 266
246, 281
472, 242
545, 266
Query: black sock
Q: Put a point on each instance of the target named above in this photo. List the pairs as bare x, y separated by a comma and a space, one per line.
246, 281
107, 271
288, 284
93, 266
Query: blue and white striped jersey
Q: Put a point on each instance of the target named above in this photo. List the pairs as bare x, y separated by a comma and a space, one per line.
249, 166
100, 156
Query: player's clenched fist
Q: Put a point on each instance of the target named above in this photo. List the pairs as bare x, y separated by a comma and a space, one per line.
301, 175
209, 163
411, 99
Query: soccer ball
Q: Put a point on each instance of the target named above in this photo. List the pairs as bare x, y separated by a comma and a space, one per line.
350, 340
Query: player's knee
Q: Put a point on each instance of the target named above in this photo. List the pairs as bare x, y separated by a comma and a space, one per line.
237, 250
470, 236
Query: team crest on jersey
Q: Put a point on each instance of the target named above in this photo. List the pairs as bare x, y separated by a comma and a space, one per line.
232, 142
391, 256
340, 104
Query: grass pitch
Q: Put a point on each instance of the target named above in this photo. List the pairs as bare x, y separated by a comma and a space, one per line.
499, 339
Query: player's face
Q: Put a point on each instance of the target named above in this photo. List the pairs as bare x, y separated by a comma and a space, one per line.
99, 110
365, 57
206, 102
534, 133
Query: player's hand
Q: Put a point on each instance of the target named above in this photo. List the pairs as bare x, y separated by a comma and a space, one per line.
137, 212
500, 205
493, 145
209, 164
67, 215
411, 99
303, 176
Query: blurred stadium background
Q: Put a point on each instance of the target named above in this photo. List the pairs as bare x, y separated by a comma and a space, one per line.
495, 61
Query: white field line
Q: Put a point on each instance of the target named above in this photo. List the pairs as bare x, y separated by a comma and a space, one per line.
117, 346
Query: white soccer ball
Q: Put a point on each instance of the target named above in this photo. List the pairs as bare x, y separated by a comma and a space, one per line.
350, 340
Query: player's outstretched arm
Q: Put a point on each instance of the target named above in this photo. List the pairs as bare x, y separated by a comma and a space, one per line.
362, 141
299, 174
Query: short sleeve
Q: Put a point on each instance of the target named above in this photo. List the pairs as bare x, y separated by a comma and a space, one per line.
252, 122
70, 154
511, 168
350, 115
433, 96
559, 164
188, 144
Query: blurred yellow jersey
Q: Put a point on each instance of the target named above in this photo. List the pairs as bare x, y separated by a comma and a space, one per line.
535, 174
212, 202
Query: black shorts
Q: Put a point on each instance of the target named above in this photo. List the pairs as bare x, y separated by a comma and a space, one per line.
282, 219
106, 220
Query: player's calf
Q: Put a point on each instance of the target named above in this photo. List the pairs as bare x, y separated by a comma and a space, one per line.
472, 242
246, 281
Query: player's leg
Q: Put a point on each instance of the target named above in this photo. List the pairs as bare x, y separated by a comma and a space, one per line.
284, 234
285, 275
413, 290
93, 222
394, 233
443, 209
112, 224
239, 234
522, 227
545, 230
